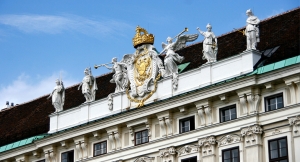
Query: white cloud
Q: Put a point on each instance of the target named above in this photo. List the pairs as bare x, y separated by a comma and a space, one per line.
57, 24
26, 88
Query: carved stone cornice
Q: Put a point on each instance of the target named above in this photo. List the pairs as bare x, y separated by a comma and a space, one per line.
252, 135
229, 139
168, 154
295, 124
208, 145
144, 159
187, 149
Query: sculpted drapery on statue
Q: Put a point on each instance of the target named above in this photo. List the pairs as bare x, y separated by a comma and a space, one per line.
210, 44
88, 86
171, 57
58, 96
252, 30
120, 77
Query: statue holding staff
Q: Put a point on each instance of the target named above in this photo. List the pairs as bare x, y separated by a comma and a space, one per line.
88, 86
252, 30
210, 44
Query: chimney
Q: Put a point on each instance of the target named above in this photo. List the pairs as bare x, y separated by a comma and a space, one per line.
7, 104
12, 104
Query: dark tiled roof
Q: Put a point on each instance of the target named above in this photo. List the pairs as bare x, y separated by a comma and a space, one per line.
31, 118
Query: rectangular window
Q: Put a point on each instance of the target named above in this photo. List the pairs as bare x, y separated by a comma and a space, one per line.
141, 137
274, 102
67, 156
228, 113
100, 148
278, 151
187, 124
192, 159
231, 155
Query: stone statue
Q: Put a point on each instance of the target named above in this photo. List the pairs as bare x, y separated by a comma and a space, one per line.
120, 76
58, 96
252, 30
89, 86
210, 45
171, 57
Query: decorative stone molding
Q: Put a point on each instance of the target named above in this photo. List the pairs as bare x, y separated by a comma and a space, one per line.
293, 84
229, 139
64, 144
187, 149
224, 98
36, 153
295, 124
276, 131
207, 145
249, 96
110, 102
96, 134
167, 154
114, 136
21, 158
252, 135
182, 109
204, 106
81, 147
270, 86
145, 121
144, 159
165, 122
50, 154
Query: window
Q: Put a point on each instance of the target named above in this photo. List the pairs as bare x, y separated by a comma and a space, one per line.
67, 156
141, 137
228, 113
192, 159
274, 102
187, 124
41, 160
231, 155
100, 148
278, 150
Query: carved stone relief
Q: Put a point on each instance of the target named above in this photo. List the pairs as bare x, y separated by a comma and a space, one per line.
144, 159
167, 154
229, 139
187, 149
252, 135
295, 124
208, 145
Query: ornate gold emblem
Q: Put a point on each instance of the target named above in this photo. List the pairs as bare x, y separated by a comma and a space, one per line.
143, 69
142, 37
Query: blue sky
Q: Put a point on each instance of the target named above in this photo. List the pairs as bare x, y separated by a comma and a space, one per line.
41, 40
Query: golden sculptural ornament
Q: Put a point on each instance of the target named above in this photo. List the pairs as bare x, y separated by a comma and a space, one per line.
143, 68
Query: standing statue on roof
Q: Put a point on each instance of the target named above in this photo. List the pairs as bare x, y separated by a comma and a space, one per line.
210, 44
58, 96
171, 57
120, 76
89, 85
252, 30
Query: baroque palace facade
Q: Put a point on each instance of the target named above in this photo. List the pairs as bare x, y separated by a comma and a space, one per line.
233, 98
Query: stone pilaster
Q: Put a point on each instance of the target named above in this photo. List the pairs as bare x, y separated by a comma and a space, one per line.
295, 124
50, 153
165, 122
208, 148
253, 143
81, 147
204, 110
293, 84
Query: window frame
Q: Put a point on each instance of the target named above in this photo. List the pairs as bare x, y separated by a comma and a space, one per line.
141, 136
100, 147
267, 98
230, 149
279, 158
227, 108
189, 158
61, 155
191, 119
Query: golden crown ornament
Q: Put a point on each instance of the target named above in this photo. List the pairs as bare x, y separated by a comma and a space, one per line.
142, 37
